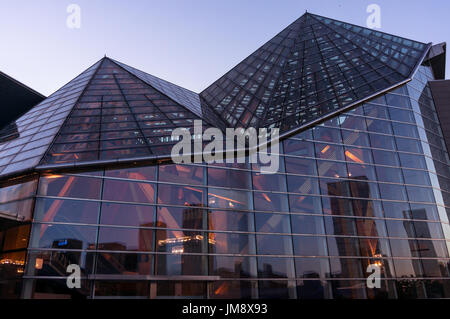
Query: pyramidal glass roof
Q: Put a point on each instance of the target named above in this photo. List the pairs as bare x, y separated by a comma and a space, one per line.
182, 96
36, 129
120, 116
315, 67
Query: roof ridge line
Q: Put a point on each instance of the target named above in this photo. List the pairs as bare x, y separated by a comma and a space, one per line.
100, 62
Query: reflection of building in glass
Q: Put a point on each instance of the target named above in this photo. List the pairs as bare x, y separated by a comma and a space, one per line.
362, 180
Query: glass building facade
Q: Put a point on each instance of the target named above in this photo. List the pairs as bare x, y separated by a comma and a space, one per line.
369, 185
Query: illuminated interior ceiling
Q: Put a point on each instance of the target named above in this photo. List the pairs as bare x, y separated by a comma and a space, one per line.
310, 71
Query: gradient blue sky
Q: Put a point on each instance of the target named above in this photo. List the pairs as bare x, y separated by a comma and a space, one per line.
190, 43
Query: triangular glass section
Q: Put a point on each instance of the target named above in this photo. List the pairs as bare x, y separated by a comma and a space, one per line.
324, 66
118, 116
30, 136
182, 96
241, 96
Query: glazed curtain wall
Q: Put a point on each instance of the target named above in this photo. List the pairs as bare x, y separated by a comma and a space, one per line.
369, 186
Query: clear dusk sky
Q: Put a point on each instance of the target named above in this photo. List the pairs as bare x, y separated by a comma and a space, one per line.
188, 42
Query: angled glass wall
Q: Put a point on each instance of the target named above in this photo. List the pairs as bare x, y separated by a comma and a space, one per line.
370, 186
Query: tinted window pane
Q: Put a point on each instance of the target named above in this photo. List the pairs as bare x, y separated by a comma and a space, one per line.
389, 191
228, 178
70, 186
416, 177
273, 245
125, 239
412, 161
232, 267
146, 173
309, 246
269, 182
66, 211
305, 204
269, 267
272, 223
304, 224
388, 174
302, 185
176, 217
312, 267
181, 174
127, 215
232, 243
398, 100
298, 148
385, 158
179, 195
63, 236
300, 166
124, 264
382, 141
405, 130
127, 191
230, 220
220, 198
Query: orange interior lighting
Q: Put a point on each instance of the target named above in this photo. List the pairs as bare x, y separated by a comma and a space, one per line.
266, 197
326, 148
353, 157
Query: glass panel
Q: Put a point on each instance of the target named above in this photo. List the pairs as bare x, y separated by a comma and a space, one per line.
305, 204
181, 174
391, 191
146, 173
127, 215
232, 290
221, 198
269, 182
269, 267
274, 245
63, 236
127, 191
232, 267
302, 185
14, 236
66, 211
312, 267
300, 166
179, 195
230, 220
124, 264
228, 178
177, 217
309, 246
303, 224
235, 243
70, 186
270, 202
125, 239
298, 148
387, 174
272, 223
54, 263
